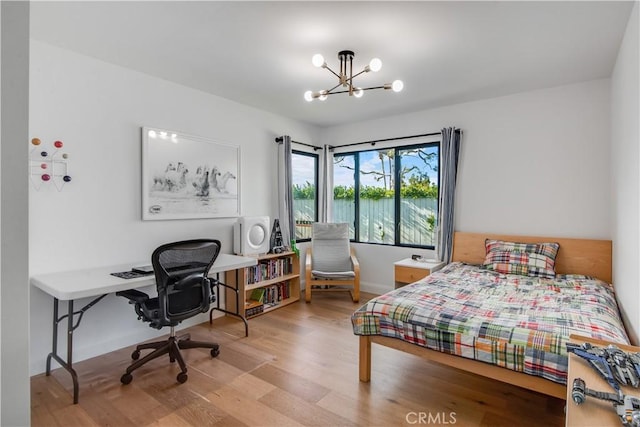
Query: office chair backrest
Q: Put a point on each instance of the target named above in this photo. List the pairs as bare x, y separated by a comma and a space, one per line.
181, 271
330, 248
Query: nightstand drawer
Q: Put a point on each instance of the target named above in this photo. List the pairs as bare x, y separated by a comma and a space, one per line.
409, 270
409, 274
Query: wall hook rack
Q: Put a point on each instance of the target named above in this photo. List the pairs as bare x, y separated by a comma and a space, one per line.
45, 167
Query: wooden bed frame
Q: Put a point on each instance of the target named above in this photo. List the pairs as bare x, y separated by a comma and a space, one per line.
580, 256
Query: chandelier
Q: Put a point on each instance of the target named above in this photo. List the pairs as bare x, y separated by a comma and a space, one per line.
346, 76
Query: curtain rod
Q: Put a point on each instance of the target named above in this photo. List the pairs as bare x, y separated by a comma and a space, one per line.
279, 141
389, 139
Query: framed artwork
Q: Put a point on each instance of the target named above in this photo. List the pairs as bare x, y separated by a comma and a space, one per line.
186, 176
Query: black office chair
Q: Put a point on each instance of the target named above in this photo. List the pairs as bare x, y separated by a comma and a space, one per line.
184, 291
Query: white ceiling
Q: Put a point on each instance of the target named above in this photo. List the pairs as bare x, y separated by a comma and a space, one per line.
259, 53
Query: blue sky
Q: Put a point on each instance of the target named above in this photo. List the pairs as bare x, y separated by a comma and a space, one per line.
369, 160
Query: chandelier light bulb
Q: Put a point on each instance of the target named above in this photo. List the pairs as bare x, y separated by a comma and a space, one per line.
317, 60
323, 95
358, 92
375, 65
397, 85
308, 96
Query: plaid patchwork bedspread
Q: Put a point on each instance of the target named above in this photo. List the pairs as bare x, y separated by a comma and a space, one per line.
517, 322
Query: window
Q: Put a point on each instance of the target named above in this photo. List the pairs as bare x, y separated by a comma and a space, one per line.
305, 192
344, 185
388, 195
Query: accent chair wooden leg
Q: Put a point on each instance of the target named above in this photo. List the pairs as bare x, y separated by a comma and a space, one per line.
355, 295
307, 292
365, 358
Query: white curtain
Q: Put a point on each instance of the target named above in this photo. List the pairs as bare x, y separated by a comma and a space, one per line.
325, 204
285, 194
449, 153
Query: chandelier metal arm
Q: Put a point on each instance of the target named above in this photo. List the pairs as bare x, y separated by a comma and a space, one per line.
356, 75
388, 86
330, 91
332, 72
340, 91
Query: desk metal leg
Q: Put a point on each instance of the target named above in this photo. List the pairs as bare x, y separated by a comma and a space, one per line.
68, 364
230, 313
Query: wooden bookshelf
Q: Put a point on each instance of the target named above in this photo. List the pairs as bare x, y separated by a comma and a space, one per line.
277, 274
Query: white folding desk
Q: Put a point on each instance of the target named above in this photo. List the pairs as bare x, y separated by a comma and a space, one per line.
98, 282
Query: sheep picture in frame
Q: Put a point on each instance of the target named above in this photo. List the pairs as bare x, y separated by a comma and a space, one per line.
187, 177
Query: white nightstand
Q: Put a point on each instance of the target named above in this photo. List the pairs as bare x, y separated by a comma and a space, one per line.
409, 271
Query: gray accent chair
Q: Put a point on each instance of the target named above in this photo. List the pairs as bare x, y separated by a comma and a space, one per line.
331, 264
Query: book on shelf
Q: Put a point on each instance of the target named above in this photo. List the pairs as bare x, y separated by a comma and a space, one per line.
274, 294
269, 269
258, 294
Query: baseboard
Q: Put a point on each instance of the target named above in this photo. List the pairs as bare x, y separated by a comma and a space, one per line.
83, 352
373, 288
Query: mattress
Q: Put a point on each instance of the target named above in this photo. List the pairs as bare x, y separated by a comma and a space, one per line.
517, 322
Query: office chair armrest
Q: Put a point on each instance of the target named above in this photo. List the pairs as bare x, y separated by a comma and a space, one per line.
134, 296
189, 281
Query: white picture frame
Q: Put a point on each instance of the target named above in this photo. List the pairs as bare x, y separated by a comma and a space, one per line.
188, 177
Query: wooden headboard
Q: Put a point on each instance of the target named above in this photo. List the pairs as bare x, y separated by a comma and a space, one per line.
578, 256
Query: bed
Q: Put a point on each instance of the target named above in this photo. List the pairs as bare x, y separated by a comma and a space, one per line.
508, 327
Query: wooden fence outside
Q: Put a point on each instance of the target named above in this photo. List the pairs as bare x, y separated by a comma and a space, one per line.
376, 219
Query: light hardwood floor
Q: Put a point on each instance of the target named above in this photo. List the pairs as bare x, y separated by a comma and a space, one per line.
299, 366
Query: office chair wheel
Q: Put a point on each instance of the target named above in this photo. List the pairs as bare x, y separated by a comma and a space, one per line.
126, 379
182, 377
135, 355
215, 352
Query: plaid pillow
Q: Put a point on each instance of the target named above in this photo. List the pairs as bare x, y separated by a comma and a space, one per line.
526, 259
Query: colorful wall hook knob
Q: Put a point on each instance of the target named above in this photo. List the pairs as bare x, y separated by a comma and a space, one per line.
58, 144
35, 141
46, 177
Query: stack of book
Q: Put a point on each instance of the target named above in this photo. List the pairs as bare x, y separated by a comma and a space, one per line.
255, 305
253, 308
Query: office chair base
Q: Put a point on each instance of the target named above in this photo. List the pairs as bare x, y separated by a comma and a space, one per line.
172, 347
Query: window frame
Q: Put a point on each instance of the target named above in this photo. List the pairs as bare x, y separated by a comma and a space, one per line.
397, 191
316, 175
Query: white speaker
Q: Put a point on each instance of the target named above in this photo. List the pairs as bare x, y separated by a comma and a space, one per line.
251, 235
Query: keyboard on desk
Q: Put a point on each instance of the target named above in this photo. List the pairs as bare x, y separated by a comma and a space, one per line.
175, 268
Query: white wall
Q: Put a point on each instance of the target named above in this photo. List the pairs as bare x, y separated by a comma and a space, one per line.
15, 385
97, 110
625, 162
534, 163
